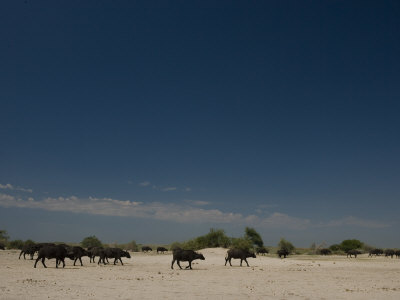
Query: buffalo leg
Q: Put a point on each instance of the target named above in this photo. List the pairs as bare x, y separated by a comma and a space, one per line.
80, 259
43, 262
179, 264
121, 261
75, 260
246, 262
36, 262
20, 254
172, 264
63, 261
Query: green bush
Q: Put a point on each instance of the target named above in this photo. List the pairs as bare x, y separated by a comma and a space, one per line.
4, 236
348, 245
91, 241
254, 237
16, 244
242, 243
286, 245
335, 247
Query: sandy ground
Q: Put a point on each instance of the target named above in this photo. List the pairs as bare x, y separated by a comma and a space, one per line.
149, 276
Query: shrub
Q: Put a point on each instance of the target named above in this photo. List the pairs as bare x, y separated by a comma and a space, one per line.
348, 245
335, 247
286, 245
91, 241
242, 243
254, 237
16, 244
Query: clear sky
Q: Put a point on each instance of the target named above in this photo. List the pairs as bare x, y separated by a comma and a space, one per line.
157, 120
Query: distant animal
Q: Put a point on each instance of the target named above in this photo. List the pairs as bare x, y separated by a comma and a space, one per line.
2, 246
238, 254
58, 252
161, 249
389, 252
325, 251
115, 253
262, 251
146, 249
375, 252
354, 252
397, 253
179, 255
282, 252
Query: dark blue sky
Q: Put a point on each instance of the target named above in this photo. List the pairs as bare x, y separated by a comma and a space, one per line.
280, 115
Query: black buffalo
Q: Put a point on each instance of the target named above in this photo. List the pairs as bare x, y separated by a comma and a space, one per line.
238, 254
29, 249
77, 253
146, 249
325, 251
389, 252
397, 253
95, 251
185, 255
354, 252
2, 246
58, 252
376, 252
115, 253
262, 251
282, 252
161, 249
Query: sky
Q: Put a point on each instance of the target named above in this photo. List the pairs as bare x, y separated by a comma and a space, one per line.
155, 121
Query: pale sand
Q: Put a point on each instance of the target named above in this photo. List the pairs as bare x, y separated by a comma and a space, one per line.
149, 276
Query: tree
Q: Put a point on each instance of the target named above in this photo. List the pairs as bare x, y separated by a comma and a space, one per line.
242, 243
348, 245
91, 241
286, 245
334, 247
4, 236
254, 236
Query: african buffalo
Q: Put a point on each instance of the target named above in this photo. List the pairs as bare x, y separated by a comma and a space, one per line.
325, 251
262, 251
282, 252
2, 246
353, 252
238, 254
115, 253
397, 253
179, 255
58, 252
375, 252
95, 251
77, 253
161, 249
146, 249
389, 252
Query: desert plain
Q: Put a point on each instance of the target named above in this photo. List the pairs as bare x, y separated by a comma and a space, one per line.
149, 276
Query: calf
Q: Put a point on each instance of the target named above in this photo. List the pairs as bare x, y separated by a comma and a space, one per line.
238, 253
58, 252
185, 255
161, 249
282, 252
146, 249
353, 252
29, 249
115, 253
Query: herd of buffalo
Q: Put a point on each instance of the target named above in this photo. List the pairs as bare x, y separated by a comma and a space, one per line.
75, 253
